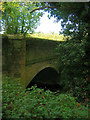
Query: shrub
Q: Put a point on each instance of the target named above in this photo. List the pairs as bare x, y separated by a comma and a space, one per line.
73, 67
37, 103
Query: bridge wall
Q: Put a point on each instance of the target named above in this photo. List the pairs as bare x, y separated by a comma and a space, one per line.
38, 50
25, 57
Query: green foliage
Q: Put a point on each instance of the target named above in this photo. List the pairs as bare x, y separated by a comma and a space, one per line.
75, 23
74, 17
16, 17
74, 63
52, 36
37, 103
73, 67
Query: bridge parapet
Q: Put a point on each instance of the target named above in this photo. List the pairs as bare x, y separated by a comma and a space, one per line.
39, 50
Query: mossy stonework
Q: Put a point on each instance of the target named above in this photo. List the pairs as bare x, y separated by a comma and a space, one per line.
25, 57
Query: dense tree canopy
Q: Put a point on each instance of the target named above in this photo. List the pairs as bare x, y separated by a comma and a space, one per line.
75, 17
75, 22
16, 17
23, 17
74, 54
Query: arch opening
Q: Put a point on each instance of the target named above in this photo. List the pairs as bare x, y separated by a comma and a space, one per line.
46, 79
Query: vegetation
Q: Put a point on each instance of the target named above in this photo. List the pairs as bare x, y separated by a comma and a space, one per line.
73, 55
75, 23
72, 68
52, 36
16, 17
37, 103
73, 61
74, 17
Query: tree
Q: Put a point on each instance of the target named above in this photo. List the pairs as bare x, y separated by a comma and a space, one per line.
73, 55
16, 17
73, 16
75, 22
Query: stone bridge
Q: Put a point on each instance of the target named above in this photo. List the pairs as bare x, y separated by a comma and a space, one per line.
32, 59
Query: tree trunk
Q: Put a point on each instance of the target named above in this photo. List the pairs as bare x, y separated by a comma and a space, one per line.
16, 28
5, 24
22, 31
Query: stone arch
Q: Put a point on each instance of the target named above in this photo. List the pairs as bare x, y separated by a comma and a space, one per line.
49, 71
48, 66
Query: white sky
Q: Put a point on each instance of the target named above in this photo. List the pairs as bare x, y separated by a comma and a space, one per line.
48, 25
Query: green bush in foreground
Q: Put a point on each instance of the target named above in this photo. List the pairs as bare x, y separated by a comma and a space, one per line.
37, 103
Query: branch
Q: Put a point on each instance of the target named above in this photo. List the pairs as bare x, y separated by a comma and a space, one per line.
41, 8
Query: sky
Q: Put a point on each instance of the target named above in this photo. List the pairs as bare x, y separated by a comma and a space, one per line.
48, 25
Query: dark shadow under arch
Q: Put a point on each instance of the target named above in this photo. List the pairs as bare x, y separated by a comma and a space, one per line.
45, 78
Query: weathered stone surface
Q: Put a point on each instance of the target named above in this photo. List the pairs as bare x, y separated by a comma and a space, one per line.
26, 57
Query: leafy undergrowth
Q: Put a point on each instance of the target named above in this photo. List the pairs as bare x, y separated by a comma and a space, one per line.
38, 104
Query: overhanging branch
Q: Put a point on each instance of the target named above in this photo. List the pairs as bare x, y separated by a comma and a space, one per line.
41, 8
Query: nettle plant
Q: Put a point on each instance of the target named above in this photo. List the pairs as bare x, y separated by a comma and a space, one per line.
73, 67
36, 103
